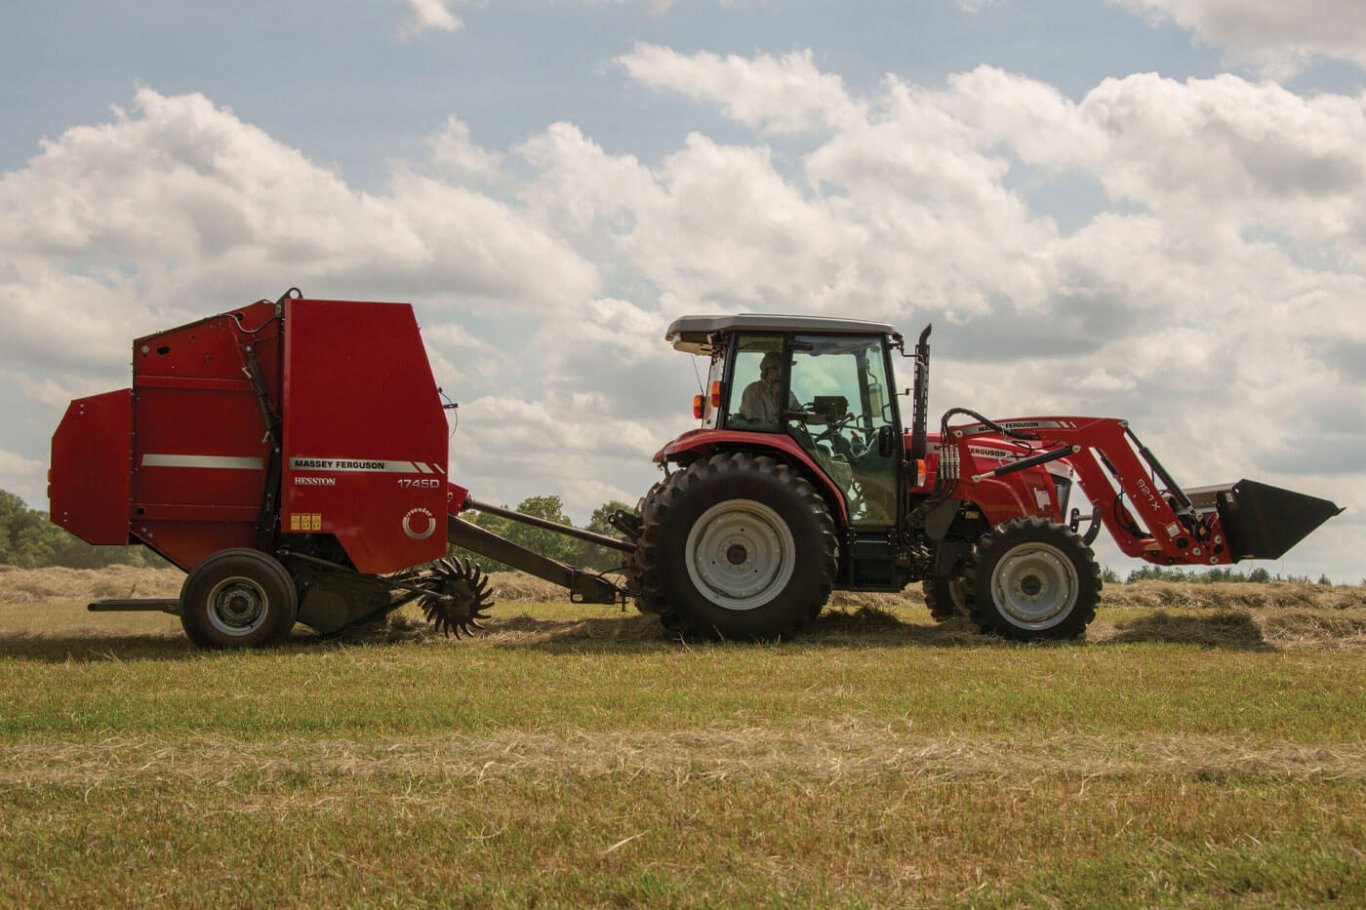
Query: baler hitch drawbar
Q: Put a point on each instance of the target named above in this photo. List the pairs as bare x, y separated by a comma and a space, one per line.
583, 587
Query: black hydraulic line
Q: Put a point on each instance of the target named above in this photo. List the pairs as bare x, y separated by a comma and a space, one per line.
584, 587
601, 540
1030, 462
983, 421
270, 498
1173, 488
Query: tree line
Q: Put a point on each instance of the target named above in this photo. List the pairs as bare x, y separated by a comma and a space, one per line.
1258, 575
548, 543
28, 540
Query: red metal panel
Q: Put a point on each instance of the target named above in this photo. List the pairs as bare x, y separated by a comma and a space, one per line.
89, 478
199, 438
365, 446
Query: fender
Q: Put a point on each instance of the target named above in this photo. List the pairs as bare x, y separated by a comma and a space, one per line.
705, 442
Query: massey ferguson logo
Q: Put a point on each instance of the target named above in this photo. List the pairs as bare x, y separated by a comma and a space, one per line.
419, 524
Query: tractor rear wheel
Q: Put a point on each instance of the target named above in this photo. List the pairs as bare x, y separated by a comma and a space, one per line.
238, 598
1031, 579
736, 547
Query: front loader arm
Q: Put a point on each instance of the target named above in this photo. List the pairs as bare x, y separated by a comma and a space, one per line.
1146, 512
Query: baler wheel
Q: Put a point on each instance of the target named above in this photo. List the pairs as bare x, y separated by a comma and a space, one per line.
238, 598
454, 596
736, 546
1031, 579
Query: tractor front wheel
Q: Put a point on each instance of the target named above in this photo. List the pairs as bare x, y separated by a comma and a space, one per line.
1031, 579
738, 547
238, 598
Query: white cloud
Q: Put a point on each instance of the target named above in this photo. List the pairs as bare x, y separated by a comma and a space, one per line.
1277, 37
430, 14
25, 478
1213, 297
114, 229
780, 95
458, 157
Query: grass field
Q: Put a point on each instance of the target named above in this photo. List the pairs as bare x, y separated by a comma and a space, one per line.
1183, 755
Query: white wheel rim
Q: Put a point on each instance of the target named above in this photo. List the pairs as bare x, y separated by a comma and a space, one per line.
1035, 586
238, 606
740, 554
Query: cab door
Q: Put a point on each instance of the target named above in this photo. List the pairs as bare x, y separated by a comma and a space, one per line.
842, 415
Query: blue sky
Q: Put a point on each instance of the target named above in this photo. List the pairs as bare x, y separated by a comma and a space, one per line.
1146, 208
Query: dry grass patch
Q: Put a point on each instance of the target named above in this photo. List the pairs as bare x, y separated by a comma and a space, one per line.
30, 585
817, 752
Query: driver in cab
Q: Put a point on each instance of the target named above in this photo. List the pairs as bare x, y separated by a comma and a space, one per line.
759, 403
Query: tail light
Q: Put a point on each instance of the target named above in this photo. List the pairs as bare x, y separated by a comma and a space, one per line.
716, 394
698, 408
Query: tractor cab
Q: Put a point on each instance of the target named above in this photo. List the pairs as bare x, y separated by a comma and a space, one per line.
819, 389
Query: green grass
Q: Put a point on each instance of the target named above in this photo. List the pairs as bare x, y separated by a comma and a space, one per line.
576, 757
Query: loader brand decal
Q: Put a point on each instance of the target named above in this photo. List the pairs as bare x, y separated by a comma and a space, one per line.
998, 454
220, 462
419, 524
315, 481
306, 521
978, 429
364, 466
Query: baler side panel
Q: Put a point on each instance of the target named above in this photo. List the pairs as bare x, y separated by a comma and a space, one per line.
365, 440
88, 486
199, 438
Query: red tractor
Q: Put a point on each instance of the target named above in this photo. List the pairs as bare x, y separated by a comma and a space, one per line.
291, 457
802, 479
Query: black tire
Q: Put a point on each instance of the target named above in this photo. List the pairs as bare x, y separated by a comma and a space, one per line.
736, 547
946, 596
1030, 579
238, 598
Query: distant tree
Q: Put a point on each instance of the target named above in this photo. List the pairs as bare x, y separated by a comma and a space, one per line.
30, 541
1156, 573
1109, 576
604, 558
1259, 575
538, 540
561, 547
1325, 580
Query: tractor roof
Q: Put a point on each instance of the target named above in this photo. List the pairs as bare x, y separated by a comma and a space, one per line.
693, 333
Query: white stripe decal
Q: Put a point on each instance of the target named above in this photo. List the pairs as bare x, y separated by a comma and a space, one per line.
422, 467
221, 462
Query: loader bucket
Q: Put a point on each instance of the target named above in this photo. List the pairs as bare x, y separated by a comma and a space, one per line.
1262, 521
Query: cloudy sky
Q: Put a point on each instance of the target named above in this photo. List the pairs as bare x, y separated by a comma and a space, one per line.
1153, 209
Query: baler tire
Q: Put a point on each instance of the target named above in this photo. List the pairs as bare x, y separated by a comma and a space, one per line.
946, 596
1030, 580
737, 547
238, 598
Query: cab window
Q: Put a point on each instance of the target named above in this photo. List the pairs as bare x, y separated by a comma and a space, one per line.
756, 387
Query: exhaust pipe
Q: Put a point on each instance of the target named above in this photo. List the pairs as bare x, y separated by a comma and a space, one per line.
1261, 521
